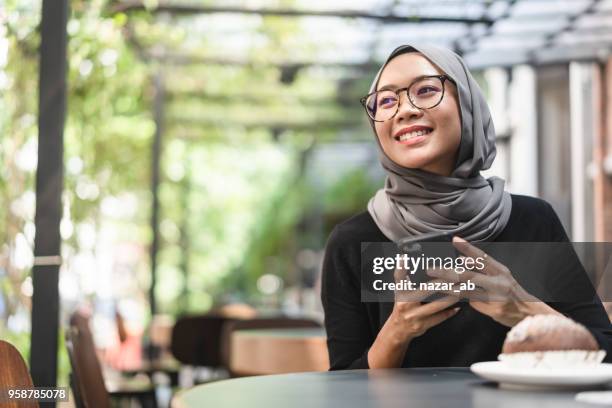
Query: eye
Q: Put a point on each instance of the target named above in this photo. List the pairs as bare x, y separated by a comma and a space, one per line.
387, 101
427, 90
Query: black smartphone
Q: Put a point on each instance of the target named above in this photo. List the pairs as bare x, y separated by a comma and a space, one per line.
427, 246
414, 244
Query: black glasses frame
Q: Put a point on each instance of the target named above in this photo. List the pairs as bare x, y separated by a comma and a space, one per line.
442, 78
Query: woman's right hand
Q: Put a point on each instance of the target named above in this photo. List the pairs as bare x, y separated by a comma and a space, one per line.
412, 319
409, 319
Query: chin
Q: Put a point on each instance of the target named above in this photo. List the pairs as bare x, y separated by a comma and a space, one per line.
411, 162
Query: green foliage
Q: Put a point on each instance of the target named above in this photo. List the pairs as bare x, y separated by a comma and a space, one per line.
232, 187
273, 247
232, 194
351, 192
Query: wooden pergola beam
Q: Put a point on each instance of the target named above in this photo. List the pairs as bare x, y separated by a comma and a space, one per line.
174, 58
352, 101
188, 9
185, 59
268, 124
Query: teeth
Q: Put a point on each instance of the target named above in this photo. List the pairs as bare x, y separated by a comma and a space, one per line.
410, 135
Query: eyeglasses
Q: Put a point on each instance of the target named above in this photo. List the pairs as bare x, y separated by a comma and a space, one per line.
424, 93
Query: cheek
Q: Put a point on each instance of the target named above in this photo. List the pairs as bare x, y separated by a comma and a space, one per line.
454, 132
382, 131
452, 127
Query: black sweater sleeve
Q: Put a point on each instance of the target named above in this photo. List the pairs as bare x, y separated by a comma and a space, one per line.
590, 314
346, 320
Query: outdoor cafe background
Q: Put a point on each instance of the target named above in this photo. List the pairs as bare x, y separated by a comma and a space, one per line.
253, 124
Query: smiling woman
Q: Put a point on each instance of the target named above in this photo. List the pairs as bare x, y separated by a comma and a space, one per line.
435, 134
418, 126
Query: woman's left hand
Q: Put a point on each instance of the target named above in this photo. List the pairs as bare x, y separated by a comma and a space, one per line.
498, 295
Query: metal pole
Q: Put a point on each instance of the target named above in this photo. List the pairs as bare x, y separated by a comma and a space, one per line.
158, 113
49, 184
185, 238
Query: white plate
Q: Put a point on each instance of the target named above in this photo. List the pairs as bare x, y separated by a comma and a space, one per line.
544, 377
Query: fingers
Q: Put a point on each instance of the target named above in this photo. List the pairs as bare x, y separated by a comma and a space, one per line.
441, 316
494, 267
467, 249
403, 295
436, 306
488, 288
416, 319
416, 295
477, 294
449, 275
471, 251
400, 274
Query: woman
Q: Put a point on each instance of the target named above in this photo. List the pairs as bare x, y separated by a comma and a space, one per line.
435, 134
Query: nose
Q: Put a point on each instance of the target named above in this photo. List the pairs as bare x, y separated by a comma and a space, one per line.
406, 110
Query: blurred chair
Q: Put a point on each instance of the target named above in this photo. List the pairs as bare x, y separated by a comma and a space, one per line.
257, 324
121, 329
196, 340
87, 379
14, 374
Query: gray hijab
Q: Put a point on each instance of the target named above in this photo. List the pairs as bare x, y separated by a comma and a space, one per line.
415, 202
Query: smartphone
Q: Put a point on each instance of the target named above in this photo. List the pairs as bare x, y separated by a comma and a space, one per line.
434, 244
410, 245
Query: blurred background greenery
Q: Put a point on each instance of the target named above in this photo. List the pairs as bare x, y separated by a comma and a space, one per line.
251, 181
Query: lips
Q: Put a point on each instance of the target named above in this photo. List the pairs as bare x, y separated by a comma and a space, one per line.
412, 133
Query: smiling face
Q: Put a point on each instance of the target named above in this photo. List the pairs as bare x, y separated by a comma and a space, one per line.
425, 139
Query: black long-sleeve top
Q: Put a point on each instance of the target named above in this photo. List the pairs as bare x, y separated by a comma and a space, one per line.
465, 338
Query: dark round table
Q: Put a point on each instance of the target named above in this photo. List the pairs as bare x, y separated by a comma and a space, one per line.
402, 387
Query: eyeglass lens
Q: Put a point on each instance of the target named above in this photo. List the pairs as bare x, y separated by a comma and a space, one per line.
423, 94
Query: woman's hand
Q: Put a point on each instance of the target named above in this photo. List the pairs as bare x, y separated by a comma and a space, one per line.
499, 295
409, 319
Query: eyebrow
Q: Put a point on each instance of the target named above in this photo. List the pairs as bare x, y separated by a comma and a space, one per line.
388, 87
394, 87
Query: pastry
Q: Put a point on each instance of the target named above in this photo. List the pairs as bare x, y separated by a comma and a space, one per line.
550, 341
